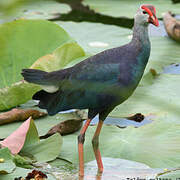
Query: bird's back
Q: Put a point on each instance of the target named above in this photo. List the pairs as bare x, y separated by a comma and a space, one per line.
106, 79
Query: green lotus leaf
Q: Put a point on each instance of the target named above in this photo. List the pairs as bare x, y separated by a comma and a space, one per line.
154, 144
31, 9
159, 99
26, 142
45, 150
7, 165
96, 37
23, 44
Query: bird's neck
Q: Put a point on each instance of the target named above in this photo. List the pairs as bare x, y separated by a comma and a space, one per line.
141, 44
140, 34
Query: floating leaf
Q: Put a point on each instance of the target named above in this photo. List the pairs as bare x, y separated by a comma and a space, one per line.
26, 140
23, 162
31, 9
16, 94
129, 7
92, 32
61, 57
154, 144
163, 53
22, 43
45, 150
42, 9
7, 165
159, 98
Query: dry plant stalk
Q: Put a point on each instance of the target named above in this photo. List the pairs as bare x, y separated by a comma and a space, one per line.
172, 26
20, 115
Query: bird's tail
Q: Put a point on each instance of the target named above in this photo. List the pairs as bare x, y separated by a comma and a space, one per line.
50, 96
48, 101
34, 76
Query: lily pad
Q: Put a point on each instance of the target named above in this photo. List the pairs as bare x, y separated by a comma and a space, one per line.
100, 36
16, 94
164, 52
60, 57
152, 144
23, 42
26, 141
159, 99
129, 7
23, 161
42, 9
45, 150
32, 9
12, 95
7, 165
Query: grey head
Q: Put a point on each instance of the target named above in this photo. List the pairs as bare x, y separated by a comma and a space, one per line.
146, 14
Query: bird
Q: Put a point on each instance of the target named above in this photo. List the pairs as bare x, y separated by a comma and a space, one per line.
98, 83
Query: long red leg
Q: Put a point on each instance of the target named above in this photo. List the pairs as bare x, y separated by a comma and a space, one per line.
81, 139
95, 142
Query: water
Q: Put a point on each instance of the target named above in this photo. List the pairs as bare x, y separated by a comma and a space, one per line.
123, 122
172, 69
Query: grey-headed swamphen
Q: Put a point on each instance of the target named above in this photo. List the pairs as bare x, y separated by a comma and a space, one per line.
99, 83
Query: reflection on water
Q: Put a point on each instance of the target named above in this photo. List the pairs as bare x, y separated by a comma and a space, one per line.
119, 169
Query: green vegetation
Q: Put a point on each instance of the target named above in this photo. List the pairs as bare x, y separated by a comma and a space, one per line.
55, 45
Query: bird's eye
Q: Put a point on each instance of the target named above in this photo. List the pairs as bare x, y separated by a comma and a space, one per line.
144, 12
